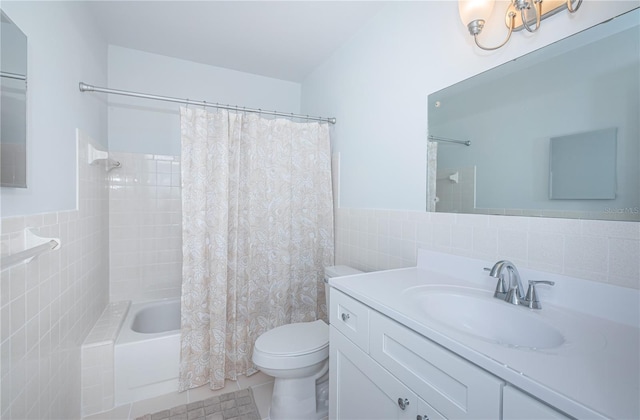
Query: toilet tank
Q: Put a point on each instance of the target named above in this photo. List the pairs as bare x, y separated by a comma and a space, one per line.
336, 271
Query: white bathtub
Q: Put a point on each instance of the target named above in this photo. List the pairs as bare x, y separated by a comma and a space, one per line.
147, 351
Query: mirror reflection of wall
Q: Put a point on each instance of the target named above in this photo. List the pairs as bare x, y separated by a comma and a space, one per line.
13, 105
585, 83
583, 166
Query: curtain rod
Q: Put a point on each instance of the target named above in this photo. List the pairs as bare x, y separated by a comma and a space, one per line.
465, 142
89, 88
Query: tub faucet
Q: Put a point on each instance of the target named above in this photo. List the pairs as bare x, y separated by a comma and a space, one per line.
512, 292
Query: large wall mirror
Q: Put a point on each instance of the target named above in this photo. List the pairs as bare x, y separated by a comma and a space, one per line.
13, 104
554, 133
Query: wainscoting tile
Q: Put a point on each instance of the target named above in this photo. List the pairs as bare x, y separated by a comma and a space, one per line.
53, 301
603, 251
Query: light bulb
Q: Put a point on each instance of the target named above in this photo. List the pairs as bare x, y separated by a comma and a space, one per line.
472, 10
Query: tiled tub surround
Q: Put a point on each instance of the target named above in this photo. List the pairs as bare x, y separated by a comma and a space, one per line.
49, 305
98, 362
602, 251
145, 227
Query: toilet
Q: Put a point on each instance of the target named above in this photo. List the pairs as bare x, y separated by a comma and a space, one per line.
297, 356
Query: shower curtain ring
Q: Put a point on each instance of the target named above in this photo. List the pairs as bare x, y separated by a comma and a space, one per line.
204, 104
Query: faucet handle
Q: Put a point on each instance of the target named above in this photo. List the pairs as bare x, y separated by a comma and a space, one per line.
534, 282
501, 289
532, 296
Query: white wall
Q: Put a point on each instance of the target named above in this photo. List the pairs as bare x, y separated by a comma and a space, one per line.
144, 126
63, 49
377, 84
49, 305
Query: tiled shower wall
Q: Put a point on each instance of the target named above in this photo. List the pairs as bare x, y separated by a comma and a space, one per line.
602, 251
49, 305
145, 227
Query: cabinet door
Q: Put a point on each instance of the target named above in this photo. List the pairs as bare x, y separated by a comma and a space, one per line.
361, 389
452, 385
516, 405
426, 412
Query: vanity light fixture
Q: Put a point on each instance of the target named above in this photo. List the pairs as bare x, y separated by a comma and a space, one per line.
521, 14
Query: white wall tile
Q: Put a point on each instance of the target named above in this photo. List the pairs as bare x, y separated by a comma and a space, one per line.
629, 230
586, 256
462, 237
441, 235
561, 226
513, 243
98, 360
54, 301
624, 262
485, 242
145, 227
603, 251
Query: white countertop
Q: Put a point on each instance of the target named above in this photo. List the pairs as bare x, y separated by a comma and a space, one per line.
594, 374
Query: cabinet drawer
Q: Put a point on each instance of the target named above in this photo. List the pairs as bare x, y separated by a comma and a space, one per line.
350, 317
447, 382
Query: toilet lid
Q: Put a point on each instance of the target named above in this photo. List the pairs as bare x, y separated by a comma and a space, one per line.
294, 339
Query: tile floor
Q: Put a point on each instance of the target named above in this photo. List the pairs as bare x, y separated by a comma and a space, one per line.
261, 385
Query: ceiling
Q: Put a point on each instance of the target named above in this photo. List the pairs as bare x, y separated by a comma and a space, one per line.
280, 39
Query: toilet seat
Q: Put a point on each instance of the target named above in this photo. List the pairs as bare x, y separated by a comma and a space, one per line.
292, 346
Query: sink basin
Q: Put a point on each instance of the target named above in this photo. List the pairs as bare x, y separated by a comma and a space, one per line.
478, 313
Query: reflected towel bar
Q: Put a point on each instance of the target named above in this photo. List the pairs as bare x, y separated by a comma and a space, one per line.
465, 142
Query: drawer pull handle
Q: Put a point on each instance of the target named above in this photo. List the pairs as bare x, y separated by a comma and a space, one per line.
345, 317
403, 403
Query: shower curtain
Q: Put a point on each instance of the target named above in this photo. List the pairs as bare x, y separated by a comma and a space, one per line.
257, 231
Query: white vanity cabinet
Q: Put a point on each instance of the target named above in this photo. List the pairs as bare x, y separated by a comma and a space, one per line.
434, 335
383, 370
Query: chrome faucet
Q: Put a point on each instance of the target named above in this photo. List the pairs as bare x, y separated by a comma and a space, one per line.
513, 292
